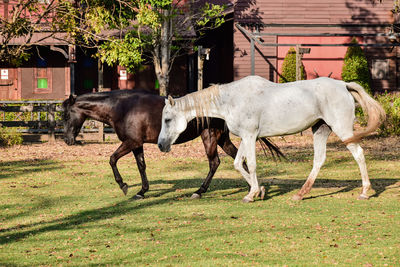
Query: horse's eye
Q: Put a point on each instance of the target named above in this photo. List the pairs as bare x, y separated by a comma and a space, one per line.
167, 120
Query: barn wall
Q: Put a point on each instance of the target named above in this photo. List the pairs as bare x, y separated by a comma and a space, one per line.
356, 12
313, 11
56, 72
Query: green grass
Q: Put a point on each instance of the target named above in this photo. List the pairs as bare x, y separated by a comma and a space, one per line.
72, 213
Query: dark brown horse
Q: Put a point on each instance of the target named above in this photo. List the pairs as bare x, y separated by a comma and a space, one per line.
136, 118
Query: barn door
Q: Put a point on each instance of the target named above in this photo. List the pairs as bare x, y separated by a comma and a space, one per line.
9, 84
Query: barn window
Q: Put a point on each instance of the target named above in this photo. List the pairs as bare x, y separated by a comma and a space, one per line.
42, 77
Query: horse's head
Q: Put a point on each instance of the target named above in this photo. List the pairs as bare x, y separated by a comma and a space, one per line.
73, 120
173, 123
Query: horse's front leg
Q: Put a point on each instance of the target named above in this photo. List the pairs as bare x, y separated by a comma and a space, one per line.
226, 144
121, 151
209, 137
247, 150
139, 156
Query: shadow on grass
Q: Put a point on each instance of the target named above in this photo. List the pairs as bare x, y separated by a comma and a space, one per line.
288, 185
192, 183
284, 186
129, 206
12, 169
75, 220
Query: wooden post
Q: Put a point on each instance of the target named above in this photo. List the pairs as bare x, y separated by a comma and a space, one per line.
200, 64
202, 54
72, 61
100, 84
252, 57
191, 73
101, 131
52, 122
100, 79
300, 51
298, 63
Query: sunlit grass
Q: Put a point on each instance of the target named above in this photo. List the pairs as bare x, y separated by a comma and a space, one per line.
61, 212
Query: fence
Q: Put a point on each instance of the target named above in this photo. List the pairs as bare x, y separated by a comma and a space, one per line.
41, 117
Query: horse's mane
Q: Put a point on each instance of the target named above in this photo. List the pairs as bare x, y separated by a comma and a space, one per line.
105, 96
199, 101
101, 96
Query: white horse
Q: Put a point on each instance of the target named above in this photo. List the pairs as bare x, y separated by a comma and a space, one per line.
254, 107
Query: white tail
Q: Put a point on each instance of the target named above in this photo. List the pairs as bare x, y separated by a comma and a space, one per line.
376, 114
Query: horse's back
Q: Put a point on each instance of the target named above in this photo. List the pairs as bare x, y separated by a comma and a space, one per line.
280, 109
137, 115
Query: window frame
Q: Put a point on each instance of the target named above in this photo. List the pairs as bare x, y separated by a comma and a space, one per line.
37, 75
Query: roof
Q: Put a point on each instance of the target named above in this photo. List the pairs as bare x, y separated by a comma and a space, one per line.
41, 38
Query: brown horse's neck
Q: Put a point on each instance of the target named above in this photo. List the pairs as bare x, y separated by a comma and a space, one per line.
99, 111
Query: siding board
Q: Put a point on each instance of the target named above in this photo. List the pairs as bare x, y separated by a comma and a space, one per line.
310, 12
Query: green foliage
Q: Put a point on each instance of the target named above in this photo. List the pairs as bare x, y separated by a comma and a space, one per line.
391, 104
148, 16
10, 136
28, 116
289, 68
355, 67
24, 19
137, 27
211, 13
126, 52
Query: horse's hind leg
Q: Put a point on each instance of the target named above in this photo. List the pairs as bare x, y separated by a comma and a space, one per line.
121, 151
358, 155
139, 156
345, 131
321, 133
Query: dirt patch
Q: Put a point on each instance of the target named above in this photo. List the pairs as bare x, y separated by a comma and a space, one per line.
193, 149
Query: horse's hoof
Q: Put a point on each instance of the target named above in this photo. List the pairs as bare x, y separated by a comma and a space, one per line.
247, 200
138, 197
124, 189
297, 197
363, 197
262, 189
195, 196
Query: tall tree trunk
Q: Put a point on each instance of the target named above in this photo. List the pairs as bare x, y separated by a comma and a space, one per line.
162, 55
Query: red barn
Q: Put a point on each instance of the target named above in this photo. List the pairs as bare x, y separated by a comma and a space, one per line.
269, 25
328, 24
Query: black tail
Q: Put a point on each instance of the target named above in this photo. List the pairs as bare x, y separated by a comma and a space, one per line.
273, 149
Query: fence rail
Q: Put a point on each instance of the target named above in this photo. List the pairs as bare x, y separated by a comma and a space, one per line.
41, 117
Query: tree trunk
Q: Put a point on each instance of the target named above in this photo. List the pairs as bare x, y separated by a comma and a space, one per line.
163, 87
162, 55
162, 73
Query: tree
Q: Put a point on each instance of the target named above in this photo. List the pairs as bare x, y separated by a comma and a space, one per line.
355, 66
25, 18
289, 68
131, 32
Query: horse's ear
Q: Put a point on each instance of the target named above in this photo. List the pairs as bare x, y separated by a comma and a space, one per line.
171, 100
72, 99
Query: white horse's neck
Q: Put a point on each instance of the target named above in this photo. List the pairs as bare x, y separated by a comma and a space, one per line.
204, 103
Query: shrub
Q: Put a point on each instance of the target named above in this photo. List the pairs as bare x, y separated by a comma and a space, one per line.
391, 104
289, 68
355, 67
10, 136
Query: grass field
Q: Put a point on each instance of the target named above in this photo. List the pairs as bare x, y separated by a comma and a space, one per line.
60, 206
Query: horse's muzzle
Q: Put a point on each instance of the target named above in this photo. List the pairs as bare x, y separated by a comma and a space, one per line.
69, 141
163, 147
